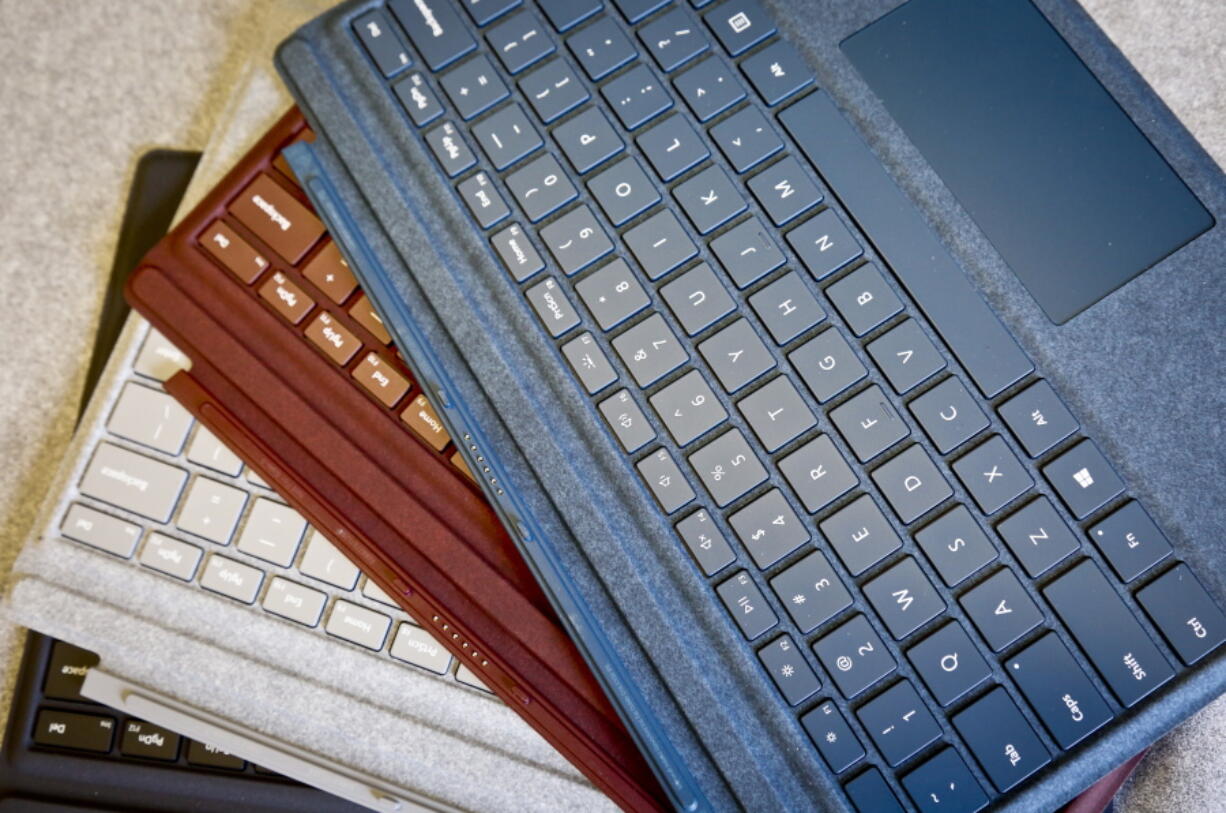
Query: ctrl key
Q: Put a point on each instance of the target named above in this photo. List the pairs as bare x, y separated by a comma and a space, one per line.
1182, 609
833, 737
944, 784
64, 729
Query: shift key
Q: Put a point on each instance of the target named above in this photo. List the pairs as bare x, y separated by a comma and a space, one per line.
1109, 633
276, 217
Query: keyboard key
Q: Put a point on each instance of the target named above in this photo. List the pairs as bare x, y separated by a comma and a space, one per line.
211, 510
777, 414
623, 191
209, 756
637, 10
1084, 479
784, 191
709, 89
613, 294
747, 252
414, 645
450, 149
294, 601
286, 298
627, 421
993, 475
1058, 691
66, 670
474, 87
150, 417
688, 408
768, 528
601, 48
786, 306
827, 365
736, 355
206, 450
100, 530
949, 415
233, 252
949, 663
541, 188
906, 356
824, 244
380, 379
565, 14
375, 593
1038, 537
835, 740
899, 722
231, 578
133, 482
944, 784
793, 677
650, 350
554, 90
1001, 740
364, 313
672, 39
589, 363
1001, 609
907, 244
870, 793
276, 217
517, 253
709, 199
811, 592
777, 72
332, 338
864, 299
485, 11
869, 423
660, 244
506, 136
665, 480
1038, 418
576, 240
956, 546
418, 99
636, 97
672, 147
66, 729
381, 41
148, 741
484, 200
519, 42
860, 534
358, 625
158, 358
554, 309
170, 556
705, 542
854, 656
1184, 613
746, 139
324, 562
1130, 541
728, 467
747, 606
436, 30
697, 299
272, 533
912, 485
740, 25
904, 598
469, 678
818, 474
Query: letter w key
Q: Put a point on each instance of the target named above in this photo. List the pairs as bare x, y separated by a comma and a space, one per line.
784, 190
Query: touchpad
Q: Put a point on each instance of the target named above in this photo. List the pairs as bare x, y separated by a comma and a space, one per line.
1073, 196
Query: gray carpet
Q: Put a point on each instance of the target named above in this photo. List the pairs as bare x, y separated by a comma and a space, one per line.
86, 88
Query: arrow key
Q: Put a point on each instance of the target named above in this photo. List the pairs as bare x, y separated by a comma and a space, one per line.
1001, 610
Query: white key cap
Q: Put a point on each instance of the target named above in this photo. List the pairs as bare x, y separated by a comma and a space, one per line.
133, 482
159, 359
469, 677
294, 601
100, 530
211, 510
416, 646
151, 417
272, 532
324, 562
231, 578
256, 480
207, 450
374, 591
170, 556
359, 625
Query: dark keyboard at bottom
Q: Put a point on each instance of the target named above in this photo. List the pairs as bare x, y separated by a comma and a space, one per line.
890, 504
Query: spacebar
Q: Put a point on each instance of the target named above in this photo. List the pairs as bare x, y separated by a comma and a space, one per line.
907, 244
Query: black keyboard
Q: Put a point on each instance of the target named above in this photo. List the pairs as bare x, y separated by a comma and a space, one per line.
806, 382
